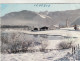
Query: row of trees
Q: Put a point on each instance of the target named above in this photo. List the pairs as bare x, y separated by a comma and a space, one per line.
14, 26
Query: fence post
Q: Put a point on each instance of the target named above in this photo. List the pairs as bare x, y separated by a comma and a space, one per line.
73, 50
78, 46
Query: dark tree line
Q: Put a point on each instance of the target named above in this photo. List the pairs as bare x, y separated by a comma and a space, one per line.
14, 26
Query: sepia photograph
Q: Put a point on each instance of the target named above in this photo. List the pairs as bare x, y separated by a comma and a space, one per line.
40, 32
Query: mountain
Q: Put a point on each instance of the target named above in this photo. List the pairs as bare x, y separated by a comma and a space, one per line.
77, 21
45, 18
60, 17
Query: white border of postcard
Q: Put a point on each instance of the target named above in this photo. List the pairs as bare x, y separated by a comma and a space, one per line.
39, 1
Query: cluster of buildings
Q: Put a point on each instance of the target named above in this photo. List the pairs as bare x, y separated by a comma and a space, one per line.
31, 28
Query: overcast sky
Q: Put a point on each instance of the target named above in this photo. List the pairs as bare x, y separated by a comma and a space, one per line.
7, 8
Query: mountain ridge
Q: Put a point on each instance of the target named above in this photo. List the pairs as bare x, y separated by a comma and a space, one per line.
46, 18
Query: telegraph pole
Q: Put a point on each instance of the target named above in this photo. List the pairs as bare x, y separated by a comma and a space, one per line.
67, 23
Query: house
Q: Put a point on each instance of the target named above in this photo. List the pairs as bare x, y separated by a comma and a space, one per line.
35, 29
44, 28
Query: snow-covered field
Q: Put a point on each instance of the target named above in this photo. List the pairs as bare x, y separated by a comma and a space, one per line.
55, 55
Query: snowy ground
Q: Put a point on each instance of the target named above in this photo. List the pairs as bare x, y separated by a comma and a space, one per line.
55, 55
37, 56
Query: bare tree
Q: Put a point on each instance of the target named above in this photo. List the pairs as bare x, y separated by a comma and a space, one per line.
44, 44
